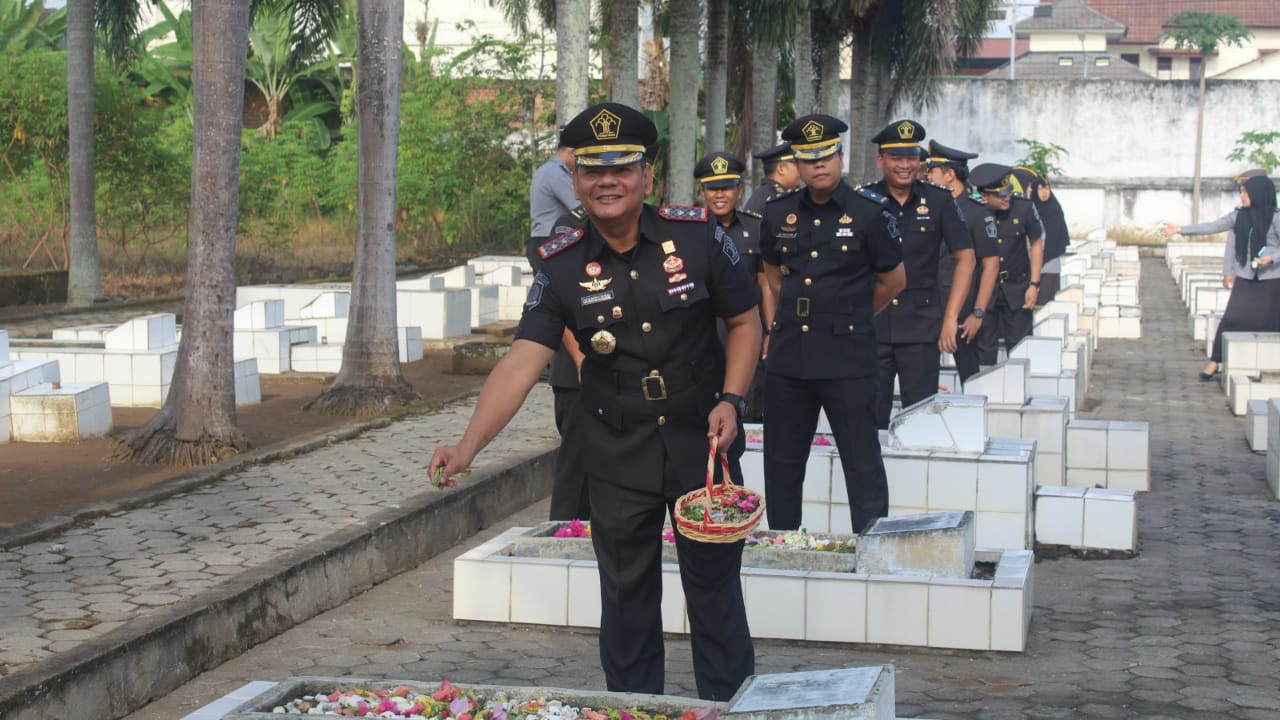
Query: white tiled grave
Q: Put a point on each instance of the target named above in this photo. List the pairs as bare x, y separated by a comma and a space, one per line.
61, 412
492, 585
1113, 454
1273, 447
17, 376
1255, 425
1087, 518
326, 357
260, 332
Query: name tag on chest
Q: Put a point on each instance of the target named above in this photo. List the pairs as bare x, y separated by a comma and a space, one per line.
844, 232
597, 298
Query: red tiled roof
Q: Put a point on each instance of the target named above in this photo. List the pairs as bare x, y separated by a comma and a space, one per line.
999, 48
1146, 18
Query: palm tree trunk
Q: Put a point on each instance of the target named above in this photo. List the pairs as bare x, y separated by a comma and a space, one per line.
623, 59
764, 103
828, 94
684, 19
573, 19
803, 53
717, 75
865, 98
84, 283
197, 424
1195, 187
370, 378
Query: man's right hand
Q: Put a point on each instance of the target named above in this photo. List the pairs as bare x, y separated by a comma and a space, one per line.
1228, 281
448, 460
969, 328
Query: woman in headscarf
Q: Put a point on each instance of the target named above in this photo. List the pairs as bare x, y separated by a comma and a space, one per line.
1056, 236
1249, 265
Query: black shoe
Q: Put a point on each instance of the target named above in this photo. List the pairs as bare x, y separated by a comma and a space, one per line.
1210, 376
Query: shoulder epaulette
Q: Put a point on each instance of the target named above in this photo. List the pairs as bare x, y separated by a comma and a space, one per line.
867, 193
578, 212
975, 198
936, 185
751, 213
559, 243
784, 194
683, 213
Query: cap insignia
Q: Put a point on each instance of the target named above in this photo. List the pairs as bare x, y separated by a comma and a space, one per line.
605, 125
719, 166
812, 131
906, 130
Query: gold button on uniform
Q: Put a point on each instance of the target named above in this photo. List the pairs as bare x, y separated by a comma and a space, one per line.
600, 411
999, 242
895, 301
600, 318
635, 275
662, 420
684, 296
817, 222
813, 254
646, 327
850, 328
804, 328
844, 248
808, 281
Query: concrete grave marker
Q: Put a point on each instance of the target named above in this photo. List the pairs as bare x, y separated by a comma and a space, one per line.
924, 545
865, 692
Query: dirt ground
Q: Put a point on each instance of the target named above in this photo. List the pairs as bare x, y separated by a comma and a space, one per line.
39, 479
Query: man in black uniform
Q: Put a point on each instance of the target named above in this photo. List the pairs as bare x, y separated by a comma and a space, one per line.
641, 288
1018, 240
950, 168
833, 260
915, 328
780, 175
719, 176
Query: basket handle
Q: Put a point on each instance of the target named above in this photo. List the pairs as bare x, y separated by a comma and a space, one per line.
711, 474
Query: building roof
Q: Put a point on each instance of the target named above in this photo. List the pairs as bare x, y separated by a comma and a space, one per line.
1046, 66
1069, 15
1146, 18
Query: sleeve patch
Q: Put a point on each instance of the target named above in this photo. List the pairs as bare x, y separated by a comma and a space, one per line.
683, 213
726, 243
892, 223
559, 243
540, 282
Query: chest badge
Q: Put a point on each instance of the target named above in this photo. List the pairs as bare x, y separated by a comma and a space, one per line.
668, 247
922, 209
595, 285
845, 220
593, 269
1015, 221
673, 264
603, 342
674, 278
792, 219
616, 312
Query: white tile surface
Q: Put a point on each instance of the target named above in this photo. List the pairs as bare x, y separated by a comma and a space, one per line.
584, 594
959, 614
835, 607
773, 598
1003, 487
1059, 516
897, 611
482, 590
674, 617
1086, 444
953, 485
1128, 446
908, 477
540, 590
1110, 520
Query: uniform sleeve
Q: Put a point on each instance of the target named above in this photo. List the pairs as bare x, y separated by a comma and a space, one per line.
982, 231
768, 243
884, 245
1035, 228
733, 286
954, 232
542, 320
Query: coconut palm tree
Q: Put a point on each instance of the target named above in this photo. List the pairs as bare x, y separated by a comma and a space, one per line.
84, 280
572, 22
370, 378
622, 50
716, 75
684, 20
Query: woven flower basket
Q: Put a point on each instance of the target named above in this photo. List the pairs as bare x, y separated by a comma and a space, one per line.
708, 529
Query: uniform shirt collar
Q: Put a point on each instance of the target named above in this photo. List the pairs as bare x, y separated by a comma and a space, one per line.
648, 232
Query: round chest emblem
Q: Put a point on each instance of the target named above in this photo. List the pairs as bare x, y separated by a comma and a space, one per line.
593, 269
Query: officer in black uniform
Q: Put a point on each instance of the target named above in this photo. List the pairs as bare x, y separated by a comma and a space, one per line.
780, 175
719, 176
915, 328
949, 168
833, 260
1018, 239
641, 288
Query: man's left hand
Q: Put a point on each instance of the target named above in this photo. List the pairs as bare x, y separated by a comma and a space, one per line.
1033, 292
722, 424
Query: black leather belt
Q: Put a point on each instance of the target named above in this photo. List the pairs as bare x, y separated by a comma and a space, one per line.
657, 384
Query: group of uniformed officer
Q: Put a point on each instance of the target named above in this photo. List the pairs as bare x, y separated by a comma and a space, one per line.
668, 306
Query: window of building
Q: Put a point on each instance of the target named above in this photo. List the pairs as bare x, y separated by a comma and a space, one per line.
1164, 68
1066, 60
1196, 68
1104, 61
1131, 58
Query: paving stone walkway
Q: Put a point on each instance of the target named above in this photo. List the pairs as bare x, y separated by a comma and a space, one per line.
1189, 628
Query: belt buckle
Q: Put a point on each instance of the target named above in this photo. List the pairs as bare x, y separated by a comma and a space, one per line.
802, 307
653, 386
1004, 275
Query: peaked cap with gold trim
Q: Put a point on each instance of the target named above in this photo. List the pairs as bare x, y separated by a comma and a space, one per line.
719, 170
942, 156
992, 178
610, 134
814, 137
901, 137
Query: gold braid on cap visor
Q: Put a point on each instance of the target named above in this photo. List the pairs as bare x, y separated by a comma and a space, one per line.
816, 151
604, 155
715, 178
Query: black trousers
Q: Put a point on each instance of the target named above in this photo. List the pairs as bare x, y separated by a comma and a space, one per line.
1011, 324
916, 365
1049, 285
569, 498
626, 531
790, 418
1253, 306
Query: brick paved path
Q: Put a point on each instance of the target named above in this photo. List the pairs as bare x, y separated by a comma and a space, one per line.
1190, 628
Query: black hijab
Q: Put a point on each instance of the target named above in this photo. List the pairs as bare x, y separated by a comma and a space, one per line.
1253, 222
1056, 235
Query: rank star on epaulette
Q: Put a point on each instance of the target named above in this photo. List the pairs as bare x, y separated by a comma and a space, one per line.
683, 213
750, 213
871, 195
559, 243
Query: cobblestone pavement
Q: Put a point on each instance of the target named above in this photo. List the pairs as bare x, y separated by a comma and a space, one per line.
1190, 628
85, 582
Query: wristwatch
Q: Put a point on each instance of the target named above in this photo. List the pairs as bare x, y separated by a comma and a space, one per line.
1035, 283
738, 402
979, 313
